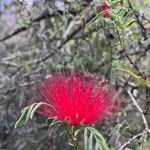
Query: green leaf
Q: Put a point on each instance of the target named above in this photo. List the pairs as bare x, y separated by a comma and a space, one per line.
91, 141
35, 108
116, 1
62, 133
130, 23
77, 132
27, 113
141, 81
22, 116
85, 139
54, 123
100, 140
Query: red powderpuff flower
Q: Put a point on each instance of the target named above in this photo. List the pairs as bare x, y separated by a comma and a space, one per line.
104, 8
76, 99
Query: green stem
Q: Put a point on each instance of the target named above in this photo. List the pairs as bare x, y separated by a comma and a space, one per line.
72, 138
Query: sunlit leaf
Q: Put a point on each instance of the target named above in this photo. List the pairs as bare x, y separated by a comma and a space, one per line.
100, 142
140, 79
27, 113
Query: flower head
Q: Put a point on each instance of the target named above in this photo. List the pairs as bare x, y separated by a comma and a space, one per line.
104, 8
76, 99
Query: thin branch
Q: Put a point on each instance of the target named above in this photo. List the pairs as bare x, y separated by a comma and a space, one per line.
134, 64
87, 15
137, 15
140, 111
75, 29
129, 141
46, 14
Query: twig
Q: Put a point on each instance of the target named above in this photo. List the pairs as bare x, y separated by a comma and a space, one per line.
44, 15
76, 29
64, 40
129, 141
137, 15
140, 111
134, 64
